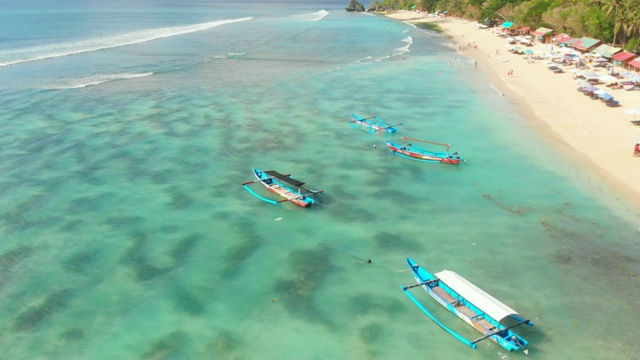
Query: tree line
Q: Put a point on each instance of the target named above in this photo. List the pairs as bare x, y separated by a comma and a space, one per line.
615, 22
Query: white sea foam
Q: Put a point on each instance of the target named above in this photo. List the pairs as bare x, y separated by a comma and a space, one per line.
227, 55
496, 89
96, 80
315, 16
404, 49
18, 56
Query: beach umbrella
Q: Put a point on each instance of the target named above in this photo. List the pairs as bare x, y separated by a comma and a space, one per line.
634, 111
590, 88
635, 78
604, 96
608, 78
589, 74
528, 51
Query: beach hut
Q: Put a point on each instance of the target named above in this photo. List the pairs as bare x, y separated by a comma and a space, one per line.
606, 51
560, 37
586, 44
568, 41
524, 30
635, 63
543, 35
622, 59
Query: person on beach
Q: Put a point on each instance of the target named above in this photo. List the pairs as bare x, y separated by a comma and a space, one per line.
636, 150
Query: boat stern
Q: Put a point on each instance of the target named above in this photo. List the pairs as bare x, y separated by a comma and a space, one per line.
511, 342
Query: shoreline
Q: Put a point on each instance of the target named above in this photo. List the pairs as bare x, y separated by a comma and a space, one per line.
587, 133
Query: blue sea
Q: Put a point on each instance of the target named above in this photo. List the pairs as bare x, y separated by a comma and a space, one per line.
128, 127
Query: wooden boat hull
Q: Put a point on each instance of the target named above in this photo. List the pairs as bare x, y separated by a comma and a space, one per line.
373, 125
282, 189
416, 153
466, 311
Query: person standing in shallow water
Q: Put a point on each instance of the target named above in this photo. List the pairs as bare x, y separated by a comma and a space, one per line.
636, 150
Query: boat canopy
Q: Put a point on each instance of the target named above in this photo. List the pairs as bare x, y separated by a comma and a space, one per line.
284, 178
473, 294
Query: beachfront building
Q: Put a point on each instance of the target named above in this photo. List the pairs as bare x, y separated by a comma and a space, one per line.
523, 31
635, 63
543, 35
622, 59
567, 42
606, 51
586, 44
558, 39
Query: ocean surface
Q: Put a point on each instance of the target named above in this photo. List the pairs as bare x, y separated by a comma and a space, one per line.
127, 129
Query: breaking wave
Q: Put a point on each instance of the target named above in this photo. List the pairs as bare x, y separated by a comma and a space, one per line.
404, 49
96, 80
315, 16
13, 57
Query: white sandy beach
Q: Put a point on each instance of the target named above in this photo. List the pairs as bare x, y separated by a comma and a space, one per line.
589, 133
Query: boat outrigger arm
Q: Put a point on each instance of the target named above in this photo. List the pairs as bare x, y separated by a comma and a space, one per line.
273, 202
380, 122
435, 320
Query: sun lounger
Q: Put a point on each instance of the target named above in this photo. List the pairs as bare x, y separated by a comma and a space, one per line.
635, 122
632, 88
612, 104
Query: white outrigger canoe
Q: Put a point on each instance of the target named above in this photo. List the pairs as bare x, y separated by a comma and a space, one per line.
470, 303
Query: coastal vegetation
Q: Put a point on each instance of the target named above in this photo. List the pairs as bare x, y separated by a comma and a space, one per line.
615, 22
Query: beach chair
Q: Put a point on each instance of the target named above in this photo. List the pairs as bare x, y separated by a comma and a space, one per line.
612, 104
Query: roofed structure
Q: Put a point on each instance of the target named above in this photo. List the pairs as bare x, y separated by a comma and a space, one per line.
586, 44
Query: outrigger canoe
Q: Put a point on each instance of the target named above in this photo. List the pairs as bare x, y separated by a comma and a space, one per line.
410, 151
372, 124
492, 318
285, 186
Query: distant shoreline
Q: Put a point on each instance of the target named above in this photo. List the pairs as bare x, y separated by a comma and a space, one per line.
588, 133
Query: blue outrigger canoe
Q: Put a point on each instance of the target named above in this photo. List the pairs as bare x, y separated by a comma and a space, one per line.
471, 304
410, 151
285, 186
372, 124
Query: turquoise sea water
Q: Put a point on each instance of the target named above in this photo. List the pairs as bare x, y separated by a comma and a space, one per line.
127, 131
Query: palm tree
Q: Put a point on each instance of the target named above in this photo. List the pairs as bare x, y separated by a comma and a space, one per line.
616, 7
633, 19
